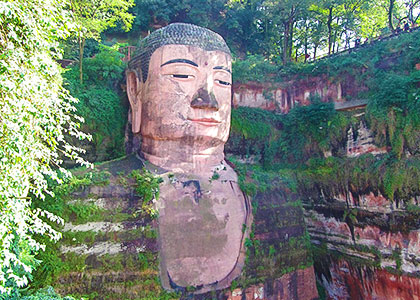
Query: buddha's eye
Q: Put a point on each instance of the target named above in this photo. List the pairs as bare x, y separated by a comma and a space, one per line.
183, 76
223, 82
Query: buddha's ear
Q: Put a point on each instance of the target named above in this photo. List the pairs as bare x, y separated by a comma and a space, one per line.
134, 92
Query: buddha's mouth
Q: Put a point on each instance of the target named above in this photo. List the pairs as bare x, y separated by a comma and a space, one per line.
206, 121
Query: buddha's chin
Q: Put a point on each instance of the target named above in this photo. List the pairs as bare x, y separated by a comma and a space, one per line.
195, 154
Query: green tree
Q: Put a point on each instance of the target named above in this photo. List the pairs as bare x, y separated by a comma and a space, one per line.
244, 27
100, 103
413, 12
373, 19
92, 17
394, 10
36, 115
327, 12
289, 12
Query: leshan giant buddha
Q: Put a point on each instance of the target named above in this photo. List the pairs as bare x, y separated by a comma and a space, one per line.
179, 87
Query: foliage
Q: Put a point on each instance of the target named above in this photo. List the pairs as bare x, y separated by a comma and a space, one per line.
393, 112
306, 131
36, 114
252, 130
295, 153
254, 68
93, 17
47, 294
152, 12
282, 31
147, 187
99, 101
398, 180
386, 73
310, 130
75, 201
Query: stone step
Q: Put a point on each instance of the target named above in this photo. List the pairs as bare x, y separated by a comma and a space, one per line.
110, 203
107, 247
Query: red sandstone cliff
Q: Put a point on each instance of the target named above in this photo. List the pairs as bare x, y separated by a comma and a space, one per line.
297, 285
283, 96
368, 250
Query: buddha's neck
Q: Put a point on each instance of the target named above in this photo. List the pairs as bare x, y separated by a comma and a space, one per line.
183, 156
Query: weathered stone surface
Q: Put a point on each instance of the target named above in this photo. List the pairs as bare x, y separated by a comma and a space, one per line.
112, 267
260, 96
283, 96
362, 245
296, 285
371, 202
200, 230
279, 265
363, 143
179, 133
366, 283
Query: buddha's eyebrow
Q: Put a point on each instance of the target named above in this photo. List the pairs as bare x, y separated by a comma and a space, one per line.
222, 68
180, 60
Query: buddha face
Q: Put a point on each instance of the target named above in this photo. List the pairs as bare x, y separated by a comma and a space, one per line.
187, 95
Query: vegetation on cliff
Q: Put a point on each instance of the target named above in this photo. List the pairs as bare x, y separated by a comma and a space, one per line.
301, 139
104, 195
101, 102
36, 117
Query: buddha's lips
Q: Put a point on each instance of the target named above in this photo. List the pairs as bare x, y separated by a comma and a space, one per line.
206, 121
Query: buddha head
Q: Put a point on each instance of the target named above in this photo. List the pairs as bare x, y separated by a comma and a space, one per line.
179, 88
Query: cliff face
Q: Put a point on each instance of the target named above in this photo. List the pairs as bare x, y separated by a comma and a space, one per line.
350, 281
296, 285
365, 245
279, 263
283, 96
366, 249
110, 249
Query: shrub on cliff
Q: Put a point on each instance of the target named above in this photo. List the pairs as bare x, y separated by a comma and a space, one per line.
303, 133
101, 102
47, 294
252, 131
394, 111
309, 131
253, 68
397, 180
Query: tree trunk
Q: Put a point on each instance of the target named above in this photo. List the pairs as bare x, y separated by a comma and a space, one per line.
81, 49
329, 22
306, 42
286, 42
390, 12
335, 43
315, 48
347, 45
291, 38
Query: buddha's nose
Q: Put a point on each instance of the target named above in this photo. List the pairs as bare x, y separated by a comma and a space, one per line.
204, 100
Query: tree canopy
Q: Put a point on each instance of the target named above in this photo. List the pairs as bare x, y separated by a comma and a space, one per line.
92, 17
36, 116
282, 30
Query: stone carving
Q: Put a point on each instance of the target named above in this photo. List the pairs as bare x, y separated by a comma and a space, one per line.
361, 142
179, 87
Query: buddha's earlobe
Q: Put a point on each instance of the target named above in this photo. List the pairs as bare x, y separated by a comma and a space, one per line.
134, 89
